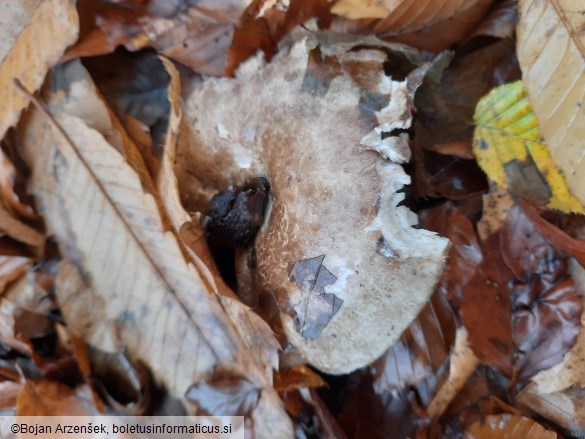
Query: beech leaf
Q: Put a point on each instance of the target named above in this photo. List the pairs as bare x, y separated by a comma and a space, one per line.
40, 29
551, 51
112, 231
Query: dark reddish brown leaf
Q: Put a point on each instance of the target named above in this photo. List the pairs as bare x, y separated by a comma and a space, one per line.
445, 108
501, 21
263, 33
524, 249
453, 177
196, 35
487, 309
545, 327
227, 396
465, 253
520, 309
557, 237
421, 350
369, 415
430, 26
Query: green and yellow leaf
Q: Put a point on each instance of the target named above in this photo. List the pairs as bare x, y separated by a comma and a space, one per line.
509, 148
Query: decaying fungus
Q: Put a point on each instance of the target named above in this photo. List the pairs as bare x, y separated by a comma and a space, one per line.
346, 268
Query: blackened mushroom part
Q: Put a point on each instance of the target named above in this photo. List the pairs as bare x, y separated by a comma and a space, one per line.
314, 124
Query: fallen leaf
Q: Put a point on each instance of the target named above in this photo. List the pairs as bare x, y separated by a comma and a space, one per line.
508, 427
463, 364
564, 408
262, 29
433, 26
297, 377
127, 258
534, 311
228, 396
445, 106
422, 349
40, 29
552, 57
12, 268
9, 391
196, 35
509, 148
557, 237
367, 414
500, 22
51, 398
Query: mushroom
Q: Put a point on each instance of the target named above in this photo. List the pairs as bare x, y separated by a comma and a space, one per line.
340, 258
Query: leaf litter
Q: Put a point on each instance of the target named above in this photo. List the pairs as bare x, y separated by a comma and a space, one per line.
111, 297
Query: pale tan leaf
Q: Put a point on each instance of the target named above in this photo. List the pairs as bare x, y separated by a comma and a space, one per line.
112, 231
463, 364
551, 51
365, 9
508, 426
33, 36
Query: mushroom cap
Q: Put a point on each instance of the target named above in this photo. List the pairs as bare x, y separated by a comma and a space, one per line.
346, 268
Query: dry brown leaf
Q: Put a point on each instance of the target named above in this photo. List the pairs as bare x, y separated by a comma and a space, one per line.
33, 36
51, 398
196, 35
434, 26
551, 51
507, 426
305, 131
112, 231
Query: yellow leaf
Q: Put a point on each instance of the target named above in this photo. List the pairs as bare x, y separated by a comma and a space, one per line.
508, 146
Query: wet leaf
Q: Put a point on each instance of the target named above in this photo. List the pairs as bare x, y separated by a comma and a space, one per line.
534, 311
